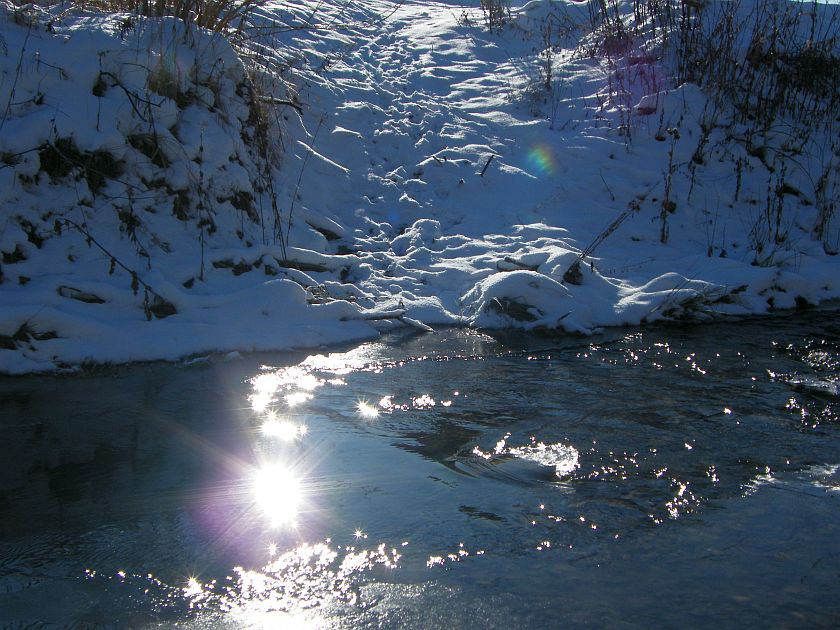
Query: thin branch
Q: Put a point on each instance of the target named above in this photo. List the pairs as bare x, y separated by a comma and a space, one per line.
280, 101
300, 177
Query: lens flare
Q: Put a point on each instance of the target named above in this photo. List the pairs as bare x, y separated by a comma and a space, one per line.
541, 160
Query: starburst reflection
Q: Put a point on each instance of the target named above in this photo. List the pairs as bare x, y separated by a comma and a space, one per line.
193, 588
366, 410
278, 494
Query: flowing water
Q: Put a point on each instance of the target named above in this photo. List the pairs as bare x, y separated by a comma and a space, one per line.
677, 476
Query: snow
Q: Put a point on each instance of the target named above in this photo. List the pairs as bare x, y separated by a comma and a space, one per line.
418, 174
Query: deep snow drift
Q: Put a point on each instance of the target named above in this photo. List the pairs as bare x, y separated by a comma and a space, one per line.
392, 163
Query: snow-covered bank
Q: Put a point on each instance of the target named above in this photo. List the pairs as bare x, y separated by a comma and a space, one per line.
420, 163
136, 217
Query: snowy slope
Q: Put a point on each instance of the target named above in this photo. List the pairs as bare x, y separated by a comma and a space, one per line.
423, 166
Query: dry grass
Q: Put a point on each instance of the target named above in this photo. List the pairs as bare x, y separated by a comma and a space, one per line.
496, 13
221, 16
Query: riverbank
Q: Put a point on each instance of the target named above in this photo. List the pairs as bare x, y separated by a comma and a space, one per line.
419, 167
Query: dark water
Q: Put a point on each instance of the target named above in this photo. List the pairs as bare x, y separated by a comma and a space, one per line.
671, 477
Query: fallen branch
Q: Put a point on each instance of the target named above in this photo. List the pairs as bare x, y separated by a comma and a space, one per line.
573, 274
397, 314
280, 101
160, 307
415, 323
509, 263
377, 315
309, 153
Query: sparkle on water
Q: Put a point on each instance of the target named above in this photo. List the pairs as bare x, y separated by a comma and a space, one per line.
193, 588
297, 398
298, 383
366, 410
283, 429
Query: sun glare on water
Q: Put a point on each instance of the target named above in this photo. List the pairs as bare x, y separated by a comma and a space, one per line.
278, 494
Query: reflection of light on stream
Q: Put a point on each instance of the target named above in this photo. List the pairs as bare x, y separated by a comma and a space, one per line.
298, 381
366, 410
285, 591
276, 488
366, 357
297, 398
278, 494
283, 429
265, 385
563, 458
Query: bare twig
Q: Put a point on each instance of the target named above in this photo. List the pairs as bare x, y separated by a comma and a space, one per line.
300, 177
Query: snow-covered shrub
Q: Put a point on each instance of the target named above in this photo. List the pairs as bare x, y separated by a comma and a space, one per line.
215, 15
770, 71
62, 157
119, 135
606, 21
773, 72
779, 58
496, 13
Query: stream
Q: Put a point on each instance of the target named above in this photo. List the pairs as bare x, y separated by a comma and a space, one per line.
671, 476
